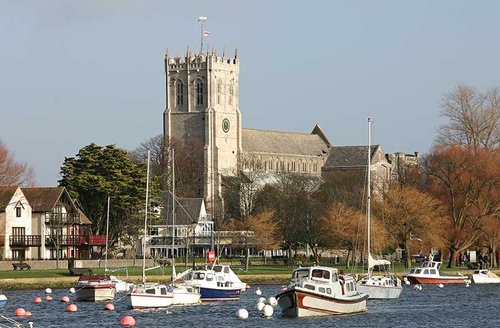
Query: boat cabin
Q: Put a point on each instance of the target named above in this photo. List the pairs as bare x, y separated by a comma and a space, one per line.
428, 267
323, 280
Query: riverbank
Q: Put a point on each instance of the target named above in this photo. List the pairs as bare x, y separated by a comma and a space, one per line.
18, 280
68, 282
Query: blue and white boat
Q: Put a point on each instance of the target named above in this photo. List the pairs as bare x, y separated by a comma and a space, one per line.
218, 283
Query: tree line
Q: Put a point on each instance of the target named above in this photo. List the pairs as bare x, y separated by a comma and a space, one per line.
450, 200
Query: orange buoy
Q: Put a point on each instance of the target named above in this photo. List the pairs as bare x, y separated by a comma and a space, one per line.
28, 313
128, 321
48, 298
109, 307
37, 300
65, 299
71, 308
20, 312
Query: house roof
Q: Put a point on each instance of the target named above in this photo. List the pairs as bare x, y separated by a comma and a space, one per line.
6, 194
187, 210
286, 143
348, 157
43, 199
83, 218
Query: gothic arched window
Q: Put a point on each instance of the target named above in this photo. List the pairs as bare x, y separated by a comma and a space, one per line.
179, 88
231, 92
219, 91
199, 92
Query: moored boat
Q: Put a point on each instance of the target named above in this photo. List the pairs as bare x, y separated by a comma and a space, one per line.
94, 288
149, 296
385, 286
485, 276
429, 273
321, 291
3, 301
218, 283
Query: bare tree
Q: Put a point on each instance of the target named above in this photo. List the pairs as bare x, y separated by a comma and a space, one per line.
466, 181
473, 116
12, 172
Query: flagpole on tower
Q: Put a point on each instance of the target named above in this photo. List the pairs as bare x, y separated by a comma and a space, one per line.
202, 20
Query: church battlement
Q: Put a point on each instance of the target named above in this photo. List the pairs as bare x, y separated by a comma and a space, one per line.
199, 61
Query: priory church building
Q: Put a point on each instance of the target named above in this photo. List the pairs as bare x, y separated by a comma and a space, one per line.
202, 106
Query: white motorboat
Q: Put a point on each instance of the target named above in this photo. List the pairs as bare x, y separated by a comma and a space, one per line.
429, 273
320, 291
376, 286
485, 276
217, 283
95, 288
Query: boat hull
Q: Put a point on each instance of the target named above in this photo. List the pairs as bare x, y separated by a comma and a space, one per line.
437, 280
141, 300
149, 296
380, 292
185, 296
99, 293
219, 294
299, 302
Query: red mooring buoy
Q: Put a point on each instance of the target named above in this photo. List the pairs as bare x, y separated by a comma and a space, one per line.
128, 321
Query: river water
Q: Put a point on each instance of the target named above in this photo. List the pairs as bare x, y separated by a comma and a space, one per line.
451, 306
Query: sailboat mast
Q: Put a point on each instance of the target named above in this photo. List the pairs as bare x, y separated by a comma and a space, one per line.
107, 239
145, 225
368, 188
173, 214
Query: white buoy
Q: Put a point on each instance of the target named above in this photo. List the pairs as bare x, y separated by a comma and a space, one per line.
242, 314
267, 311
440, 285
406, 280
258, 292
260, 306
272, 301
72, 290
48, 291
417, 287
261, 300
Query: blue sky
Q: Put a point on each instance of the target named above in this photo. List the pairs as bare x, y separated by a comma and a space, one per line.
76, 72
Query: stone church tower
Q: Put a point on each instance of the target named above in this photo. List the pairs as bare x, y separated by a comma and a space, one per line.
202, 106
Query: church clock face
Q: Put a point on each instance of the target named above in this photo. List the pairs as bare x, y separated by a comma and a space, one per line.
225, 125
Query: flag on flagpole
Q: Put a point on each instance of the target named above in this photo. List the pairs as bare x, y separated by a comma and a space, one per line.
206, 33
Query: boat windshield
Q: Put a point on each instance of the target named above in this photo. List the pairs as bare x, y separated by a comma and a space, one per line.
316, 273
300, 274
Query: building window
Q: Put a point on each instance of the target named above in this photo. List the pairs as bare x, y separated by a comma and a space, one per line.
315, 167
270, 165
294, 166
304, 166
199, 92
180, 93
18, 212
231, 90
282, 165
219, 91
